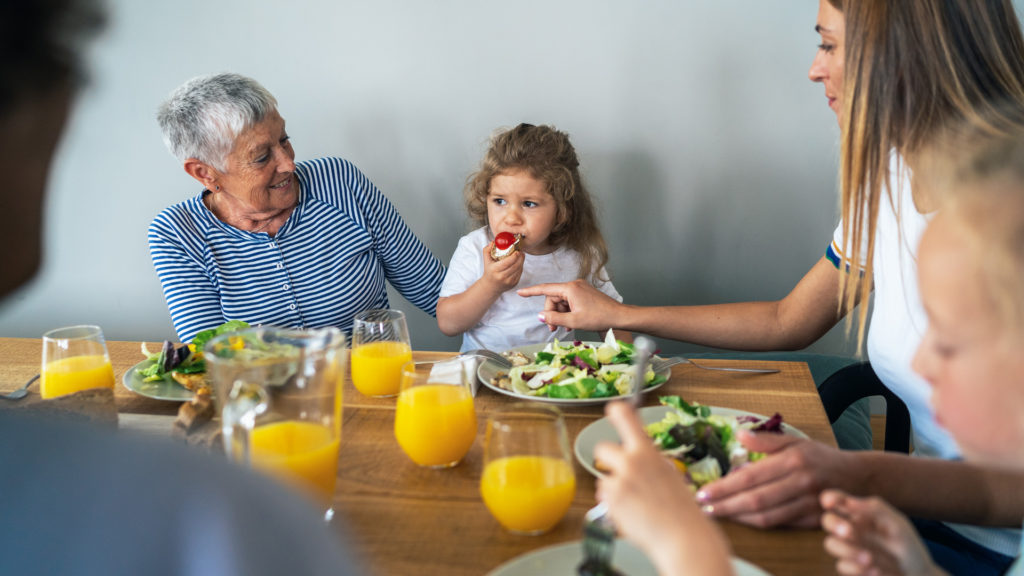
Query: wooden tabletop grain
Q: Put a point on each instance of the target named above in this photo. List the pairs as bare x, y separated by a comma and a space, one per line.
405, 519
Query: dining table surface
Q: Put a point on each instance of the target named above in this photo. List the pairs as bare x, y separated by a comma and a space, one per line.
404, 519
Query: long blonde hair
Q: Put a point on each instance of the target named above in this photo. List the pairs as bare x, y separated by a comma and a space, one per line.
911, 68
547, 155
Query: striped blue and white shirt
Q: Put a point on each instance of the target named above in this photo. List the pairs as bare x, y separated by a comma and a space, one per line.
326, 264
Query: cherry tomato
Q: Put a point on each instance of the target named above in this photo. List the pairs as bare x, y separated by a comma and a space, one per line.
503, 240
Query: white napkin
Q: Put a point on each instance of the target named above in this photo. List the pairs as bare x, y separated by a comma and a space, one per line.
457, 371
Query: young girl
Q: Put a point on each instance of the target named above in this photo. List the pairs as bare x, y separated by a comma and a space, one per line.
971, 272
529, 186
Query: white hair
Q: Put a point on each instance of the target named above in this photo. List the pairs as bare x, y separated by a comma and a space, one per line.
203, 117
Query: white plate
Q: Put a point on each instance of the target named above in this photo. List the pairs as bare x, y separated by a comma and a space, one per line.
562, 559
163, 389
488, 369
603, 431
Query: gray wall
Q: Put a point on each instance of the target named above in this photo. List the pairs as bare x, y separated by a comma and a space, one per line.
711, 155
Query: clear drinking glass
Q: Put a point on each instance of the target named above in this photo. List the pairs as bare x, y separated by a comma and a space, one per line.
74, 359
435, 422
528, 480
380, 346
280, 397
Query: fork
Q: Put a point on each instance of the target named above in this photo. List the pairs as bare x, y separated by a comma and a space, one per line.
490, 355
598, 529
665, 363
598, 543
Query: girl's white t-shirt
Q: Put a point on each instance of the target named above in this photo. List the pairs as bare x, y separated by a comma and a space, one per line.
512, 320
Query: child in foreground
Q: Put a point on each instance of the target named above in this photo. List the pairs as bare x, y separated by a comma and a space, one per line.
528, 188
971, 271
652, 506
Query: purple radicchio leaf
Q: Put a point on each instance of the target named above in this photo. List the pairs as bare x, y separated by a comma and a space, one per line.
773, 424
579, 363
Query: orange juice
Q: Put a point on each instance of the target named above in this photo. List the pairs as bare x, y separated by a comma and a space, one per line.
435, 424
77, 373
376, 367
301, 453
528, 494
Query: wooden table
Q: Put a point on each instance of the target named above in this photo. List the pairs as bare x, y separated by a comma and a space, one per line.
408, 520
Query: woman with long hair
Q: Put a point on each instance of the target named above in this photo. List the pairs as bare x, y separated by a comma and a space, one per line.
896, 74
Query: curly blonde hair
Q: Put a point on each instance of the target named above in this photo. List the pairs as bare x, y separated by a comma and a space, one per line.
547, 155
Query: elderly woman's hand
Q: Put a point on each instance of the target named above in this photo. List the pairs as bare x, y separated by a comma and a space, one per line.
652, 505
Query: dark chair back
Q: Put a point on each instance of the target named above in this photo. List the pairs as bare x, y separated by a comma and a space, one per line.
857, 381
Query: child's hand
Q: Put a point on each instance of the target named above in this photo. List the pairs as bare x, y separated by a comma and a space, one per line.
868, 536
504, 274
651, 503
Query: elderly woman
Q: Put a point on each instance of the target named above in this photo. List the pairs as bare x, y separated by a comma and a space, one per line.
268, 240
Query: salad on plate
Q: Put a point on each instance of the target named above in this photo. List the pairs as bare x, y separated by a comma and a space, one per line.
703, 445
184, 363
575, 371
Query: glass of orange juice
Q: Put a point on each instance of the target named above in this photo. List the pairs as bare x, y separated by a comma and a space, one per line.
280, 395
435, 422
74, 359
528, 480
380, 346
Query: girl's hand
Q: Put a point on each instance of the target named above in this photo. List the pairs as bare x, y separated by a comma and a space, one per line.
782, 488
651, 503
867, 536
504, 274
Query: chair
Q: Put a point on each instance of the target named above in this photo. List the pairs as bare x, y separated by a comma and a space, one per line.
849, 384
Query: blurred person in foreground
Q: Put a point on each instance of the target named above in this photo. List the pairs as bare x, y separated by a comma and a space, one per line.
971, 271
75, 500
